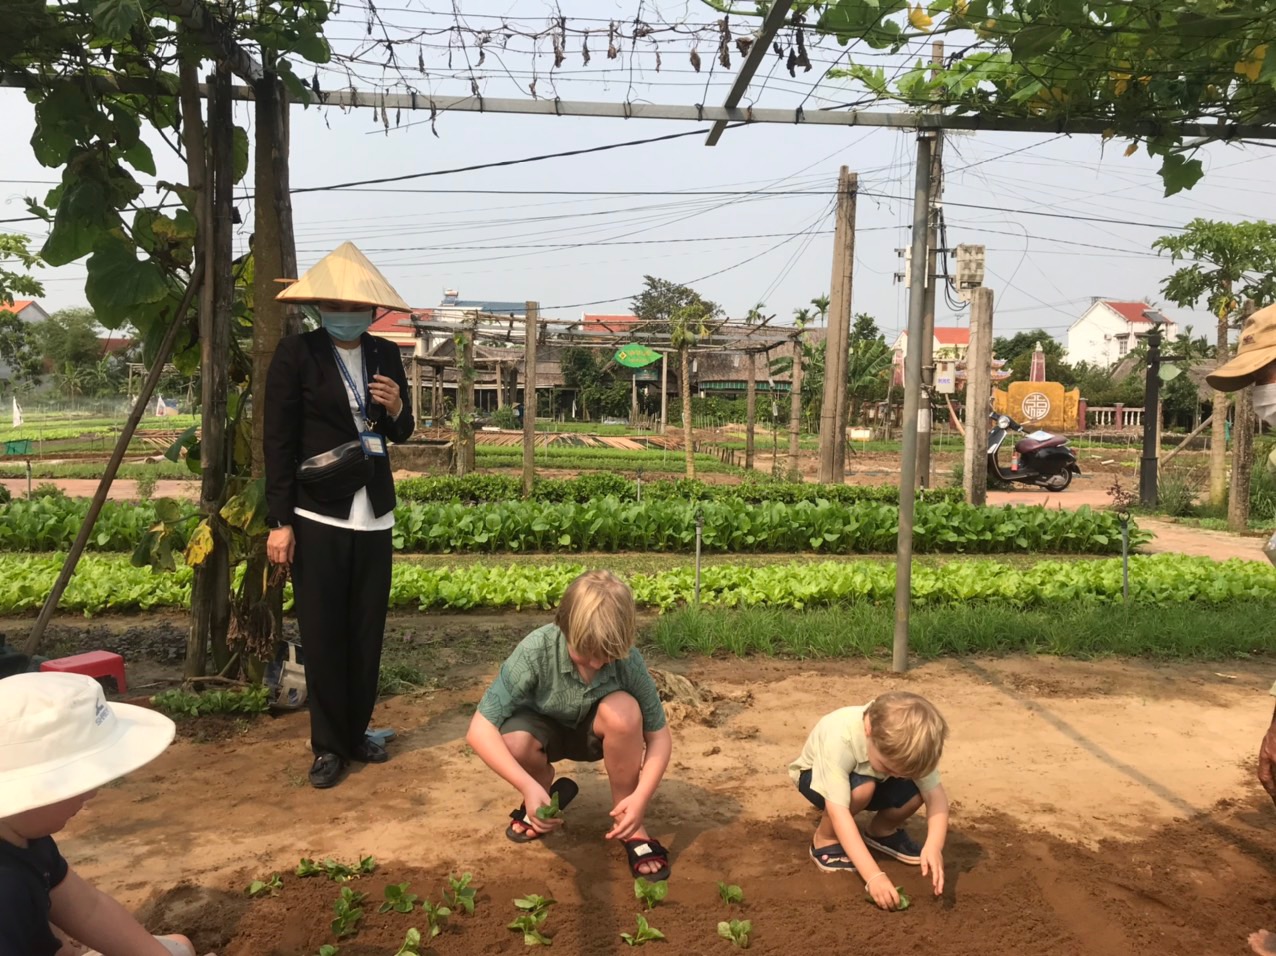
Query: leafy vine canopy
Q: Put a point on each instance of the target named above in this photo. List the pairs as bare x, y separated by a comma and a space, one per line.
1138, 66
101, 72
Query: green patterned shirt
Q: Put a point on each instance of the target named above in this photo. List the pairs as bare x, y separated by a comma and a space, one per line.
540, 675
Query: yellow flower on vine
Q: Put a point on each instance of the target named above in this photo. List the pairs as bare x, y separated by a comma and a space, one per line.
919, 18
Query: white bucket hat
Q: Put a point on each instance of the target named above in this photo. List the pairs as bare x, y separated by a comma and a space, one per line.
59, 738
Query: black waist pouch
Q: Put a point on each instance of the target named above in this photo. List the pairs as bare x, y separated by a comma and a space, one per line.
336, 474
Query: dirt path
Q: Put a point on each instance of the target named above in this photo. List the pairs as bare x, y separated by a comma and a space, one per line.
1099, 809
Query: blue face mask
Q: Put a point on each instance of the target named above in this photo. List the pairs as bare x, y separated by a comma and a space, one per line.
346, 326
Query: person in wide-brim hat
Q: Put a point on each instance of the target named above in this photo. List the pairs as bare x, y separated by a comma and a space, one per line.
59, 742
1255, 360
334, 400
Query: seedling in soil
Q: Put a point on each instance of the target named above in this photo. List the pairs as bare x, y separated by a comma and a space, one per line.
731, 894
411, 944
337, 872
436, 917
260, 887
650, 893
904, 902
529, 924
328, 950
551, 811
462, 895
348, 911
398, 898
737, 930
646, 933
534, 903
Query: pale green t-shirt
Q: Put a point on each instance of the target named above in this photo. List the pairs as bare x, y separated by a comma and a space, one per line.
837, 748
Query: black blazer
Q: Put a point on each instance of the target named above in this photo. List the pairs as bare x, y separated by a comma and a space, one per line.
307, 413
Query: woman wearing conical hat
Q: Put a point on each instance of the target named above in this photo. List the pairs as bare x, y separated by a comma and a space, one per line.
334, 401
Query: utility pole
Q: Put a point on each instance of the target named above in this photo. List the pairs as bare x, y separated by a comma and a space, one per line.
931, 265
532, 311
912, 403
750, 410
664, 392
1151, 421
833, 409
978, 393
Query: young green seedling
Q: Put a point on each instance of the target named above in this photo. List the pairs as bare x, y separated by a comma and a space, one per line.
436, 917
650, 893
646, 933
904, 902
337, 872
551, 811
737, 930
328, 950
534, 903
348, 911
398, 898
529, 924
411, 944
259, 887
731, 894
462, 895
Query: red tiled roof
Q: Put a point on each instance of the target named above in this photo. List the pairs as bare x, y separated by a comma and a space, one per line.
1131, 311
114, 344
387, 322
952, 335
612, 323
18, 305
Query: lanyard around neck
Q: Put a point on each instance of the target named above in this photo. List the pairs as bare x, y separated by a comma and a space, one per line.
357, 392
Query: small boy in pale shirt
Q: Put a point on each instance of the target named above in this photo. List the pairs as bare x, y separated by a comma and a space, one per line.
882, 757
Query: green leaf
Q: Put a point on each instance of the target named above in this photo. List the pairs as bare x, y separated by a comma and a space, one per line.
117, 18
1178, 173
118, 283
240, 153
81, 217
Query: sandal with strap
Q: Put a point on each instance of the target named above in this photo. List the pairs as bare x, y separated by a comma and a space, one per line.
832, 858
641, 850
566, 790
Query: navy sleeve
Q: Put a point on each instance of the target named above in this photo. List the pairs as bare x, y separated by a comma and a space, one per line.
26, 877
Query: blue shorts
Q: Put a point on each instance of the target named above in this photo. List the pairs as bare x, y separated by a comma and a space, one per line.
891, 793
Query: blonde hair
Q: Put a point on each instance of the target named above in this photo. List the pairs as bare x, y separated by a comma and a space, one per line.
908, 732
597, 616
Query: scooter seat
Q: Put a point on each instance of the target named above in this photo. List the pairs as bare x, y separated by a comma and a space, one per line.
1028, 445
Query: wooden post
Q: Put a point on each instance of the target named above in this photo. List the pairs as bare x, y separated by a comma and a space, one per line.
833, 410
664, 392
750, 409
176, 324
978, 393
795, 409
210, 591
465, 398
633, 398
416, 390
529, 398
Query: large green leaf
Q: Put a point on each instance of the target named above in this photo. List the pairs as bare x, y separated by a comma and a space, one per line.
240, 153
117, 18
82, 216
118, 283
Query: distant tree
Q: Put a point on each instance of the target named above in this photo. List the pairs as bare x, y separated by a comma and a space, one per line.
70, 337
821, 303
18, 347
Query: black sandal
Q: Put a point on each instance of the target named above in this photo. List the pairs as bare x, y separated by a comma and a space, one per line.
641, 850
566, 790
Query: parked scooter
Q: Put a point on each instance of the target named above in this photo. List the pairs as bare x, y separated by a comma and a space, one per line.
1040, 459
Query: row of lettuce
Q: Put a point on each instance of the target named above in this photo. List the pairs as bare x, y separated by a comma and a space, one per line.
611, 524
111, 583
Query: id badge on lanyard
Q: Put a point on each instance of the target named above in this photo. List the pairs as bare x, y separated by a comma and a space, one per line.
373, 444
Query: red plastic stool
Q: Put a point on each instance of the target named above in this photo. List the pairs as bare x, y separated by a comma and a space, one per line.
94, 664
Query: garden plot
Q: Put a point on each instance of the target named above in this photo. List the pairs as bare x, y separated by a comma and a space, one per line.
1100, 808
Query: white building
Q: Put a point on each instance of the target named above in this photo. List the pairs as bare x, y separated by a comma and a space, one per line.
1108, 329
29, 311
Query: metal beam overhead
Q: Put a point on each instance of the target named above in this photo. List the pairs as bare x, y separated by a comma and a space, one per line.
757, 53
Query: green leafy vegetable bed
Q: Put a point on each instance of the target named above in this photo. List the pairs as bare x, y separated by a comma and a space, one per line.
111, 584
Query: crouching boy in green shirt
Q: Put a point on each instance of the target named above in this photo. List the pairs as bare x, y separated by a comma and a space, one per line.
883, 757
578, 689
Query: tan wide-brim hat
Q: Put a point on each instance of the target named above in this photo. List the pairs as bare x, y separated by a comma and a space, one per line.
1255, 351
59, 739
344, 275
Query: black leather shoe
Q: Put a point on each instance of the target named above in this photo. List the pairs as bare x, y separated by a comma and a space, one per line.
326, 771
369, 751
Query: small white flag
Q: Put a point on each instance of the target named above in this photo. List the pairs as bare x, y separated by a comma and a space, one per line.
17, 413
159, 404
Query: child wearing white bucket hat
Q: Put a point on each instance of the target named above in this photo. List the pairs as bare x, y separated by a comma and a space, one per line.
59, 742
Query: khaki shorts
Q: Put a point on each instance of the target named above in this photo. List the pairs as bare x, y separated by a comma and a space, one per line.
559, 741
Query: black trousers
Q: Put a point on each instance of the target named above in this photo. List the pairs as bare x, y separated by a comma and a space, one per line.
341, 583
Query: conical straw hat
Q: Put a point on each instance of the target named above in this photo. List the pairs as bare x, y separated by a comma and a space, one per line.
344, 275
